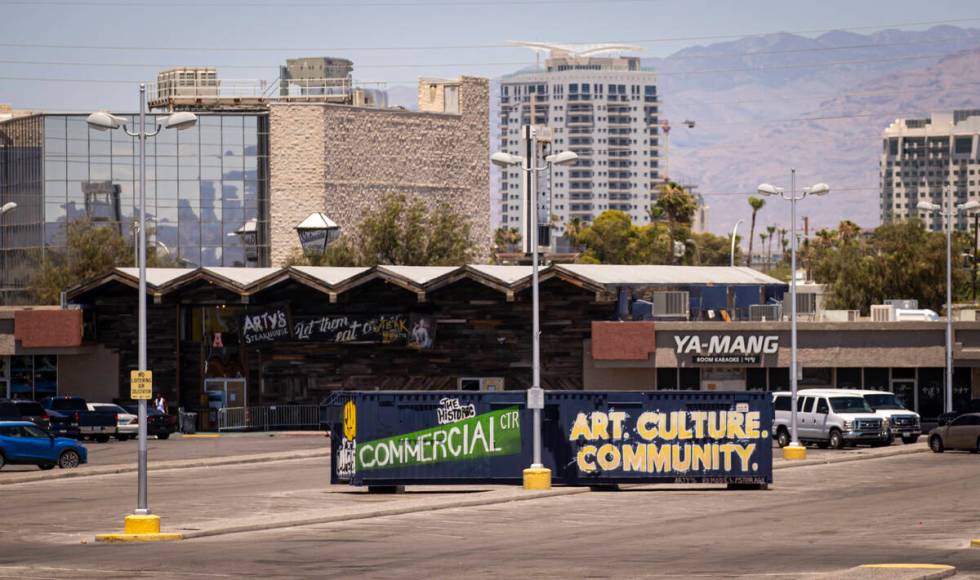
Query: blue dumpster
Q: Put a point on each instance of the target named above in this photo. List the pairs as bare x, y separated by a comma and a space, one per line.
390, 438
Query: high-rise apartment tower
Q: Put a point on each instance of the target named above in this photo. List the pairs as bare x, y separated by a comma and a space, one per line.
605, 109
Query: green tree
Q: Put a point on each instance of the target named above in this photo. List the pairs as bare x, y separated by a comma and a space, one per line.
756, 203
611, 239
898, 260
712, 250
771, 230
406, 233
339, 253
91, 249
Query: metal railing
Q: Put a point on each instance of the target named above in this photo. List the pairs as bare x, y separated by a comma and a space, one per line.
269, 418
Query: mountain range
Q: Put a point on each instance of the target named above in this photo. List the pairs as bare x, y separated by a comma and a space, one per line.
765, 104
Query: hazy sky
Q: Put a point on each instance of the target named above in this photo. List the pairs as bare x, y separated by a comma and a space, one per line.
121, 42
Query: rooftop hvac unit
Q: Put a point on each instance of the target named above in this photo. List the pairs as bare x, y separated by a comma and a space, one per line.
764, 312
904, 304
673, 304
806, 303
882, 313
840, 315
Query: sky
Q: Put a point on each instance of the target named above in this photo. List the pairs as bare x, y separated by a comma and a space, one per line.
94, 53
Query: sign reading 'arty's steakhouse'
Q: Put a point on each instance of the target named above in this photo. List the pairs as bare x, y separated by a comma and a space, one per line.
727, 349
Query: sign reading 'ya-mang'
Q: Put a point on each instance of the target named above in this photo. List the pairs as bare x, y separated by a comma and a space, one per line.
492, 434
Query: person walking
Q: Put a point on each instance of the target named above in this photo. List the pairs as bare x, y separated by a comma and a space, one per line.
160, 403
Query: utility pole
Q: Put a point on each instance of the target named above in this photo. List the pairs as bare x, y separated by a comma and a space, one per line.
976, 242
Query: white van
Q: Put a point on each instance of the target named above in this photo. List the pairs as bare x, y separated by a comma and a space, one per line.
901, 421
829, 418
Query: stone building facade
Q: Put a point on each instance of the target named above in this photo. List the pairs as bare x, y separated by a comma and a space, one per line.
344, 160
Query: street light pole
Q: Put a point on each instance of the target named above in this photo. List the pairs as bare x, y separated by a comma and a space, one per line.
948, 214
537, 476
4, 209
794, 450
734, 232
142, 524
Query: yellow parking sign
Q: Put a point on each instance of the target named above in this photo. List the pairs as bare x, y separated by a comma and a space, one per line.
140, 385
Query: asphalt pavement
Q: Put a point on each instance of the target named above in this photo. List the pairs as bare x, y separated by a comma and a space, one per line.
178, 447
816, 519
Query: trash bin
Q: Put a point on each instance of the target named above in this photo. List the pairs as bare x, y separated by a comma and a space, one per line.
188, 422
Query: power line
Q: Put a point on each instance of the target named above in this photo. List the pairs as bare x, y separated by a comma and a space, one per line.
463, 46
348, 4
675, 73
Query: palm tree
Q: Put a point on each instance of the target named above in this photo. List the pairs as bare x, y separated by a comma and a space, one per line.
756, 203
772, 238
763, 236
572, 231
783, 242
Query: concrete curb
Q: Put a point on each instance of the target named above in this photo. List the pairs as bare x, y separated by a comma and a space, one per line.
490, 499
892, 572
169, 465
897, 451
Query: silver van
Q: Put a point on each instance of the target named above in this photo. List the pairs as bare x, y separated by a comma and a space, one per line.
829, 418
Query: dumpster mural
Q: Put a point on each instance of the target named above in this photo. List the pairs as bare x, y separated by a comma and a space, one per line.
588, 438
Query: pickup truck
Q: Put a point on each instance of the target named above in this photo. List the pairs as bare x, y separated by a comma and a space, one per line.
73, 411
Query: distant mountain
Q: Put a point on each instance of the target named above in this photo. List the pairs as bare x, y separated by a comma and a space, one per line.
765, 104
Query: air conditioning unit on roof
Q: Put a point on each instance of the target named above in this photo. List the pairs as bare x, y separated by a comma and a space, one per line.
882, 312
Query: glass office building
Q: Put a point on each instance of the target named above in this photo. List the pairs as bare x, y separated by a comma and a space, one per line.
203, 184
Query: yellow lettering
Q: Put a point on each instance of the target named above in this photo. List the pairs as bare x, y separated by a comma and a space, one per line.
658, 458
683, 431
701, 457
580, 428
634, 457
735, 430
668, 431
752, 425
698, 418
608, 457
716, 424
681, 465
617, 418
584, 464
646, 425
726, 450
599, 426
745, 455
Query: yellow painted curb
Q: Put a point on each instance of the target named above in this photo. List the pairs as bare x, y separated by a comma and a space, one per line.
794, 452
163, 537
537, 478
910, 566
200, 436
140, 528
975, 543
142, 524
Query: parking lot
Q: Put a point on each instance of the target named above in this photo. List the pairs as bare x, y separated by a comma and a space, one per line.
181, 448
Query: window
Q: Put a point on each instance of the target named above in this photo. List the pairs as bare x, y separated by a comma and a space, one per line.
822, 407
803, 404
966, 420
782, 403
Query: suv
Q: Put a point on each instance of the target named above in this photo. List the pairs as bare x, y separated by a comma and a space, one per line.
901, 422
829, 418
24, 410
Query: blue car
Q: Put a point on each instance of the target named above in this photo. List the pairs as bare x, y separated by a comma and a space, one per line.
24, 443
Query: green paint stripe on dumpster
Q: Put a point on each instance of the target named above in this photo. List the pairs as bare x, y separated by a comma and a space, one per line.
488, 435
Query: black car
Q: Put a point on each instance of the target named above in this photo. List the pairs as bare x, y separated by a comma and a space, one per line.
159, 424
27, 410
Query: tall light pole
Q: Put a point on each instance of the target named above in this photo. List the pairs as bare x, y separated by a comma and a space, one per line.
142, 525
537, 476
734, 232
949, 214
4, 209
794, 450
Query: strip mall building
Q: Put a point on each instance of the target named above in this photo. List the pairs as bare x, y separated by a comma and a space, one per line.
263, 336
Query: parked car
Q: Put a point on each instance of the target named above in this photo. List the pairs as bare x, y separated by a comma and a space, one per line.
901, 421
829, 418
158, 424
24, 443
961, 433
24, 410
127, 424
98, 425
972, 407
